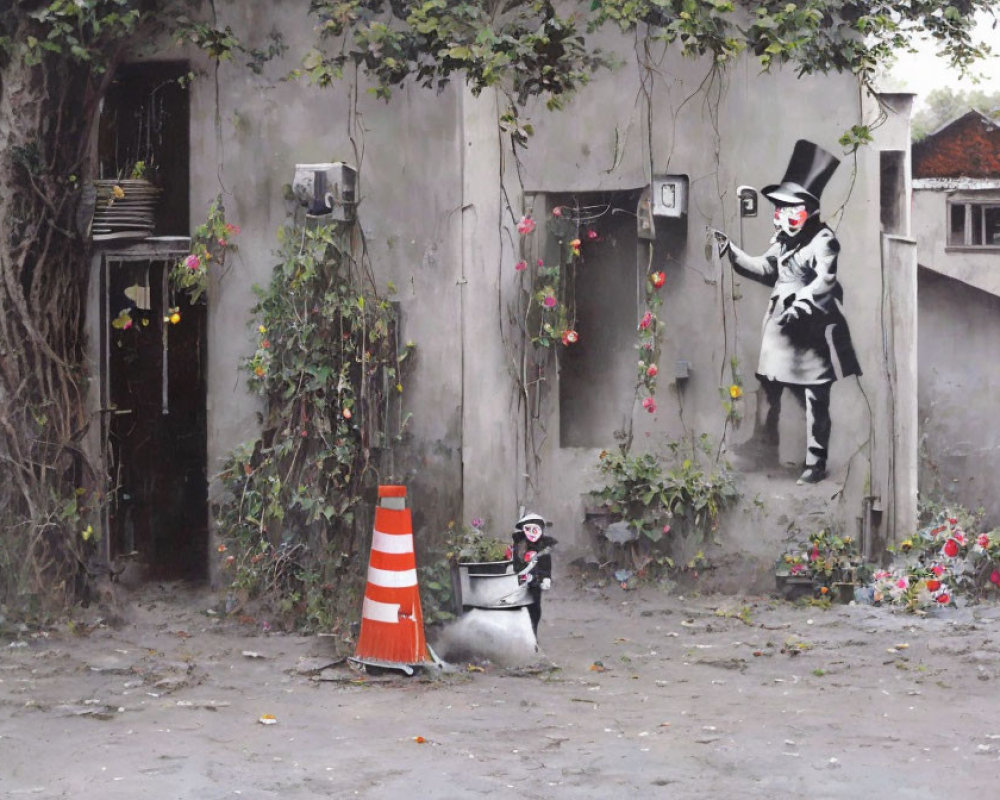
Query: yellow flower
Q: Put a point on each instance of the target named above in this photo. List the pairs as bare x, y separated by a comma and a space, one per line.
262, 329
735, 391
175, 318
117, 192
906, 544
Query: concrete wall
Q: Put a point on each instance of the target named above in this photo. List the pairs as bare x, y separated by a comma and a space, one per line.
438, 225
960, 441
247, 138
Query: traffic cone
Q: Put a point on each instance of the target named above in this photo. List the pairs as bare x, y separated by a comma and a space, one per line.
392, 623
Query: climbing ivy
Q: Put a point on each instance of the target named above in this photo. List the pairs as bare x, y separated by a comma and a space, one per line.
327, 367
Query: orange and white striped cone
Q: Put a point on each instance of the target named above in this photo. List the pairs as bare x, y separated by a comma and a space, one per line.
392, 622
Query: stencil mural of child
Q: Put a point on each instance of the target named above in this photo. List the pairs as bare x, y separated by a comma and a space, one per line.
805, 342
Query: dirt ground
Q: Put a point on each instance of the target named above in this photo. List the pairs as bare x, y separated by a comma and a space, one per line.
641, 693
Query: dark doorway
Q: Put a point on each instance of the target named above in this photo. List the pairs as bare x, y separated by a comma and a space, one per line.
144, 132
155, 380
597, 385
153, 354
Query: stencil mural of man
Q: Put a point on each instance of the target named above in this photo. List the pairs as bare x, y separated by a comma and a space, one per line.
805, 343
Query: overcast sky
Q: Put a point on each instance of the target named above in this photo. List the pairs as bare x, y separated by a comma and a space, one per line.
919, 73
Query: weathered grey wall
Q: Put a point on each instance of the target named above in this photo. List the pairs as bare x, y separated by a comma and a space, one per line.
741, 132
438, 225
246, 140
960, 440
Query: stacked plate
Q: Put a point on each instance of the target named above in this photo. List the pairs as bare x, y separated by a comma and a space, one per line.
124, 209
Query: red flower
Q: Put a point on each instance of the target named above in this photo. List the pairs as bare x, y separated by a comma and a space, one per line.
814, 555
540, 263
591, 234
933, 584
649, 404
520, 266
943, 598
995, 577
557, 211
953, 520
951, 548
938, 570
526, 225
652, 370
570, 337
646, 321
658, 279
983, 540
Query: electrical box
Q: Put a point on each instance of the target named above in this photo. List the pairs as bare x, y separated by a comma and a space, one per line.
670, 195
326, 189
748, 201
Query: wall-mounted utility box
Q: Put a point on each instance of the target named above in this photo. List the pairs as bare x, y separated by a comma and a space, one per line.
670, 195
326, 188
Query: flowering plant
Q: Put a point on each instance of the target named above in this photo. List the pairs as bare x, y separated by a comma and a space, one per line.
650, 335
825, 557
942, 560
211, 242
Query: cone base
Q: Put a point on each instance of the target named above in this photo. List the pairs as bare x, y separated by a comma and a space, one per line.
407, 669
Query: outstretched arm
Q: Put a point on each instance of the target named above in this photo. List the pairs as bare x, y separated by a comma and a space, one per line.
763, 268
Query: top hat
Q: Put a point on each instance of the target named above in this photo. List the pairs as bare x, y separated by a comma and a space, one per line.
809, 169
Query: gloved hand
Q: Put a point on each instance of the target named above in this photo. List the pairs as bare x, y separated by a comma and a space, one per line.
722, 242
799, 309
546, 584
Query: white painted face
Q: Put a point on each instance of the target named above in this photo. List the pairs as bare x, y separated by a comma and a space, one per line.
532, 532
790, 219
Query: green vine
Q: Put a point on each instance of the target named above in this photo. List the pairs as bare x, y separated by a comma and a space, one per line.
327, 367
211, 243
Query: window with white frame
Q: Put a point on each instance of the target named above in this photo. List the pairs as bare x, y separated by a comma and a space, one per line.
974, 224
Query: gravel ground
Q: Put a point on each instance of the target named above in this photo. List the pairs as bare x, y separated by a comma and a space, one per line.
638, 692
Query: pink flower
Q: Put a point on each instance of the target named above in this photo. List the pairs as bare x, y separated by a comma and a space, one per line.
658, 279
127, 324
649, 404
520, 266
192, 262
222, 242
591, 234
951, 548
233, 229
995, 577
526, 225
953, 520
797, 568
570, 337
666, 529
814, 555
540, 263
557, 211
652, 370
983, 540
574, 245
938, 570
959, 537
549, 301
646, 321
901, 583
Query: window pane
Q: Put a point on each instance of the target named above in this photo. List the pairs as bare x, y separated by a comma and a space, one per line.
991, 225
977, 225
956, 233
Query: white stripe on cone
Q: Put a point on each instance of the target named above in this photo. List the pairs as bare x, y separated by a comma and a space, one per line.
380, 612
392, 542
391, 578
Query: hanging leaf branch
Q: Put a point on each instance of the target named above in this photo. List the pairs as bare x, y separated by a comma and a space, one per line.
211, 243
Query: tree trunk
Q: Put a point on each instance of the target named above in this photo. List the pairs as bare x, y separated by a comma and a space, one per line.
47, 488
